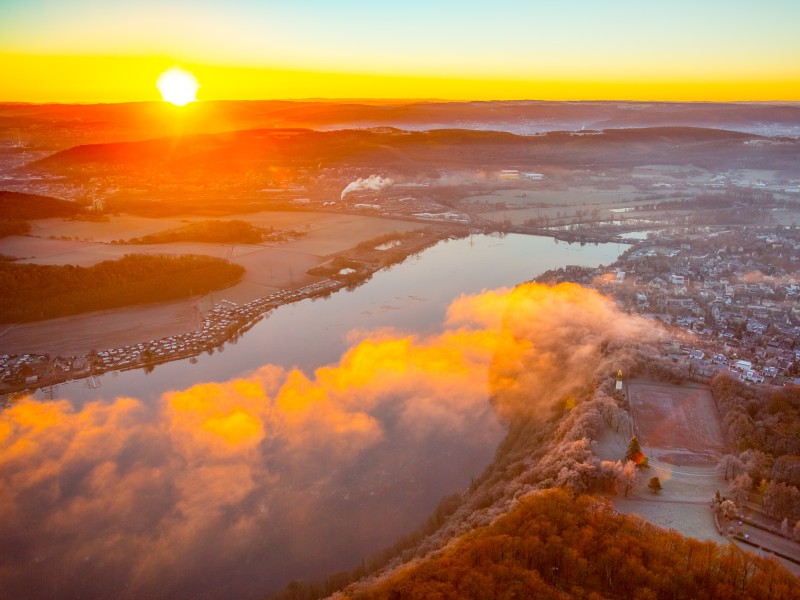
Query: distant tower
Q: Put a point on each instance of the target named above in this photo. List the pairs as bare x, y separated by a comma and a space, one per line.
619, 381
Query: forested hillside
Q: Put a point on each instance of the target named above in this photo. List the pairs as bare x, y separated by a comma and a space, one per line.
763, 425
21, 206
554, 545
14, 228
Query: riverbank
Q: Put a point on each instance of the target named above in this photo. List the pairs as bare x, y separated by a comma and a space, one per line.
46, 353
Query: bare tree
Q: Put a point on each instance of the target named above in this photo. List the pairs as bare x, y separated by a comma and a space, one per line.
740, 488
621, 420
625, 475
732, 466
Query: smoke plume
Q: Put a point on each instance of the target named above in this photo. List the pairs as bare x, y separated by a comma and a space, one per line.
373, 182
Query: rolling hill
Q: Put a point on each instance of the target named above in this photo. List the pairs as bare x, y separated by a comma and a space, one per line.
70, 124
392, 148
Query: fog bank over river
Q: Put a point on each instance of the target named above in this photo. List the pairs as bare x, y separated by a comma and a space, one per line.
319, 437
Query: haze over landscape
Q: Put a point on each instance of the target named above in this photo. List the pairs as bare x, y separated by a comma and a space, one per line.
426, 300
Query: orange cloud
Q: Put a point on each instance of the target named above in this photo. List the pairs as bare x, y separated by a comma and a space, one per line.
247, 483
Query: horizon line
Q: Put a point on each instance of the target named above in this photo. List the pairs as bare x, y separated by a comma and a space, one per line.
398, 100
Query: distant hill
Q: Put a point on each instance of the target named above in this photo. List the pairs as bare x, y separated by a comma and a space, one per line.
391, 148
59, 126
20, 206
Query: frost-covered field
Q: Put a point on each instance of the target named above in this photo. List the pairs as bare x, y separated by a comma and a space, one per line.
678, 424
680, 434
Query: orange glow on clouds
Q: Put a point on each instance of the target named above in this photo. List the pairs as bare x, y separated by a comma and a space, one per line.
147, 491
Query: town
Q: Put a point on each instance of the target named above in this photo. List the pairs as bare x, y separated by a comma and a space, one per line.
729, 293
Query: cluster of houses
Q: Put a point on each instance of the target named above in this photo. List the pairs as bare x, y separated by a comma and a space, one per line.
735, 291
222, 322
24, 368
224, 319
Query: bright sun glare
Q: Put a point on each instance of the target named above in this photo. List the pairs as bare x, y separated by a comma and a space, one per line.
178, 86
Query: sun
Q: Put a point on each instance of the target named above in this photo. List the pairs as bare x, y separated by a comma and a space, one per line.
178, 86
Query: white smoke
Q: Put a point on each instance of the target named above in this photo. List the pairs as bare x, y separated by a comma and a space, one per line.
373, 182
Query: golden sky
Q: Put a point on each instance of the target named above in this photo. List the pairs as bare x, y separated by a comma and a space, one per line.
92, 51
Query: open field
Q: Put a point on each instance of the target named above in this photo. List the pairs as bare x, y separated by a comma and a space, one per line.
118, 227
332, 227
684, 502
325, 234
42, 251
679, 424
340, 232
695, 484
269, 268
785, 216
690, 519
559, 214
679, 433
79, 334
559, 204
570, 197
593, 203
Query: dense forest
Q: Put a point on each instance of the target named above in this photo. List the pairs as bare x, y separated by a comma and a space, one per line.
214, 232
33, 292
555, 545
19, 206
763, 425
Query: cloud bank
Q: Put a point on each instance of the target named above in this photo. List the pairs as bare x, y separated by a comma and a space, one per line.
231, 489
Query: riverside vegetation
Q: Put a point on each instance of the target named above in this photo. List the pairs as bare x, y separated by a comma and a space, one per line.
48, 291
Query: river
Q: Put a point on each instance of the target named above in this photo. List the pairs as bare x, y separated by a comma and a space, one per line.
412, 296
210, 493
